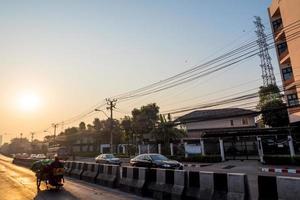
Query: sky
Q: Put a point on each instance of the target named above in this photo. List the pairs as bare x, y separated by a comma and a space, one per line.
60, 57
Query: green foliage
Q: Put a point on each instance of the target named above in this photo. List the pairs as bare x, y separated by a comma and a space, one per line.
166, 131
198, 158
82, 126
144, 119
281, 160
97, 124
274, 112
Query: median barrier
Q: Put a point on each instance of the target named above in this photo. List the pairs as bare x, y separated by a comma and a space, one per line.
133, 180
166, 184
267, 187
67, 165
236, 184
77, 170
220, 186
25, 162
72, 166
108, 175
200, 185
90, 173
288, 188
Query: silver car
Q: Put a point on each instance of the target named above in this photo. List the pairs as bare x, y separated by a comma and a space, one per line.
108, 159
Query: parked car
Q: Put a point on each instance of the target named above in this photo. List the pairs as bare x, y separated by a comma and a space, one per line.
32, 156
155, 161
108, 159
40, 156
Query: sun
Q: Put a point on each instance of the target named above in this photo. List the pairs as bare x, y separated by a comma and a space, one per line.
29, 101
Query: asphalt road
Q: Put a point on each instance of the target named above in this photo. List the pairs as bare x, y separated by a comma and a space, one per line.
18, 183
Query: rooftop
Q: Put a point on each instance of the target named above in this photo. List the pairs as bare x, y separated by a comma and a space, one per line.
204, 115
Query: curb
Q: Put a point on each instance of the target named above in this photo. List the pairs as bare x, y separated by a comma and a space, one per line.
281, 170
196, 165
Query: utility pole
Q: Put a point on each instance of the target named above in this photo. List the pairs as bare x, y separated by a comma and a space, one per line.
21, 134
32, 134
54, 133
111, 105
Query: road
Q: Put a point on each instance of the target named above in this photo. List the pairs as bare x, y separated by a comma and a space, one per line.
18, 183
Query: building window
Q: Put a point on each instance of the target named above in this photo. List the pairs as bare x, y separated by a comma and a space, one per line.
292, 99
287, 73
281, 48
245, 121
231, 123
277, 24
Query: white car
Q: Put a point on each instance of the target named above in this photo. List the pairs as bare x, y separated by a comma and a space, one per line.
40, 156
32, 156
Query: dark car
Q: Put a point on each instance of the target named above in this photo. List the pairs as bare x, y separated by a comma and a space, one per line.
108, 159
155, 161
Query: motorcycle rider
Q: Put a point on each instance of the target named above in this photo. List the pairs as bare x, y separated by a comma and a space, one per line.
53, 178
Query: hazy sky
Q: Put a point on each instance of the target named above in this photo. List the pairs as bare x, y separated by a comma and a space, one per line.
70, 55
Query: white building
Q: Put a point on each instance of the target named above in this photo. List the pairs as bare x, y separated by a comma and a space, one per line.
200, 121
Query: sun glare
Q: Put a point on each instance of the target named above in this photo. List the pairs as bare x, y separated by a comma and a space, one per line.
29, 102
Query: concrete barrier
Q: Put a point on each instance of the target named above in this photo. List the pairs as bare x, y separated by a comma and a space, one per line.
108, 175
67, 165
168, 184
288, 188
220, 186
77, 170
133, 179
200, 185
72, 166
24, 162
267, 187
90, 173
236, 184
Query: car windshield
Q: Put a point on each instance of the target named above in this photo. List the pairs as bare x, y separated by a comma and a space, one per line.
158, 157
109, 156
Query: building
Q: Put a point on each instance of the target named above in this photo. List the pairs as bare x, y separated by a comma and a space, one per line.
199, 122
285, 22
233, 134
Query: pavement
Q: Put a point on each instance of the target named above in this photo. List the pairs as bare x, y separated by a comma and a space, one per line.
19, 183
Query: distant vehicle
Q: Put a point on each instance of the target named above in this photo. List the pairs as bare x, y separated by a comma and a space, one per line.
33, 156
40, 156
155, 161
108, 159
21, 155
61, 152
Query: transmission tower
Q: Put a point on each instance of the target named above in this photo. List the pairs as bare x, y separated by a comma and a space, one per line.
265, 59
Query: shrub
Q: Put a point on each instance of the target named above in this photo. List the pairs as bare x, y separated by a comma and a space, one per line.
198, 158
281, 160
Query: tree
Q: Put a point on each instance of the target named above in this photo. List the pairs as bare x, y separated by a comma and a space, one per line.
97, 124
145, 119
82, 126
274, 112
127, 127
167, 132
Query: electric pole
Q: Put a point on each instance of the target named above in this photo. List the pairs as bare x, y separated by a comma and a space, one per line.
32, 134
21, 134
54, 133
111, 105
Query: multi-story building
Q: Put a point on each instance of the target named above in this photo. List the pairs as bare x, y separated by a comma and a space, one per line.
285, 21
